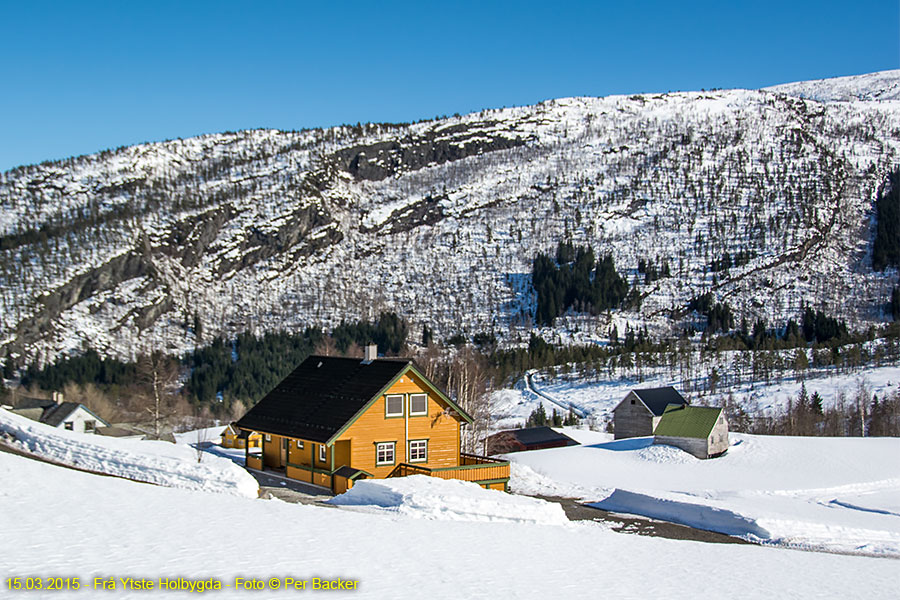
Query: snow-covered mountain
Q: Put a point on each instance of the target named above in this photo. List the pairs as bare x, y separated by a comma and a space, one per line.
440, 220
883, 85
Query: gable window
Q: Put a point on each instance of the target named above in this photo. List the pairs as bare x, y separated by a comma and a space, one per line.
393, 405
69, 425
323, 450
89, 426
384, 453
418, 404
418, 451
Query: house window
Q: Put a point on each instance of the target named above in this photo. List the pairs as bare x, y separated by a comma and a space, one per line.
268, 437
299, 445
69, 425
393, 405
322, 452
384, 453
418, 404
418, 451
89, 426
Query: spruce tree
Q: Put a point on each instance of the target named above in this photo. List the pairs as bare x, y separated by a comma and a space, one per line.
886, 246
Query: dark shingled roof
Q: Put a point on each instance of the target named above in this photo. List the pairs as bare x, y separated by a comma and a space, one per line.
320, 396
55, 415
541, 435
41, 403
657, 399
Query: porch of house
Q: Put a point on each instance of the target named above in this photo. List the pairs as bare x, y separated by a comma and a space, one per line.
485, 471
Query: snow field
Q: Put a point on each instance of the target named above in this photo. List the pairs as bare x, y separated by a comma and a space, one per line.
833, 494
65, 522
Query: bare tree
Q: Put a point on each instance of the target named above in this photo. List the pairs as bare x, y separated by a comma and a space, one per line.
157, 376
469, 384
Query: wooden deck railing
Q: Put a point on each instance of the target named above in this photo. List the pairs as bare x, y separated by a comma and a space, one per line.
473, 468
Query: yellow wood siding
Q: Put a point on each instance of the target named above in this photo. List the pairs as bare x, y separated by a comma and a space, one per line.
441, 431
299, 474
272, 451
483, 473
300, 456
341, 484
342, 454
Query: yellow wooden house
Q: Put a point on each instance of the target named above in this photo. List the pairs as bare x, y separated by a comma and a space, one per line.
232, 437
333, 421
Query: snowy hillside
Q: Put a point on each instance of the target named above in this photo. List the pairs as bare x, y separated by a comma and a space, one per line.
595, 395
883, 85
830, 494
157, 462
150, 245
66, 523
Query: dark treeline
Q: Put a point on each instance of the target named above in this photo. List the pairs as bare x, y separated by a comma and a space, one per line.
718, 314
514, 362
575, 279
248, 366
83, 369
225, 371
741, 258
653, 270
389, 332
539, 418
857, 415
886, 246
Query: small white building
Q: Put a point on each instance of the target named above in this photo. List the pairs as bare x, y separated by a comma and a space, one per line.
72, 416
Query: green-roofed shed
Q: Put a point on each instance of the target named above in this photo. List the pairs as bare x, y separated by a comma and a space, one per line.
699, 430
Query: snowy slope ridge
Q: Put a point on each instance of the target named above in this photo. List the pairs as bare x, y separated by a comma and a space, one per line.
440, 221
160, 463
831, 494
883, 85
448, 500
72, 524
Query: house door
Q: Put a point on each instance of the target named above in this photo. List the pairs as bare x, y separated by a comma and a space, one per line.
284, 451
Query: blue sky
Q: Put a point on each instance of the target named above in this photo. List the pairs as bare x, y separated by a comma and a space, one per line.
78, 77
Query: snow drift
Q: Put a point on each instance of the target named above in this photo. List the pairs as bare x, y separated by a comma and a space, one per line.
448, 500
160, 463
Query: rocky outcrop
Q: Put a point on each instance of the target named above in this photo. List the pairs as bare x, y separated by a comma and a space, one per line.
380, 160
81, 287
427, 211
293, 237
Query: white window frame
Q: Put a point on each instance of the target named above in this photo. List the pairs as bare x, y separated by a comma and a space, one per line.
323, 453
268, 437
386, 447
299, 444
387, 405
421, 447
413, 413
